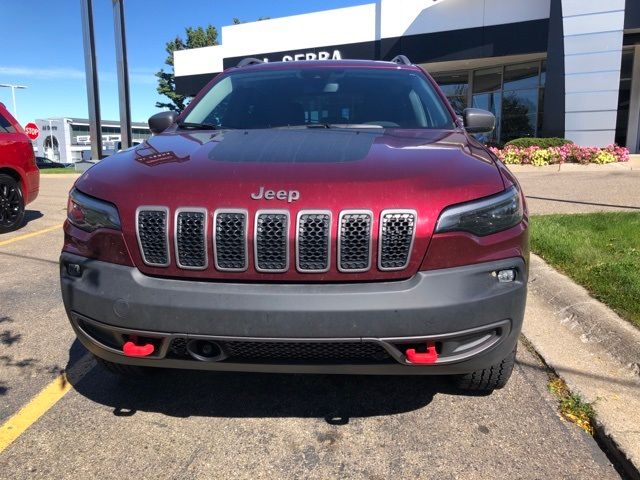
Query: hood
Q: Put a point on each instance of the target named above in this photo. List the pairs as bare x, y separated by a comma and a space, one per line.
312, 169
324, 165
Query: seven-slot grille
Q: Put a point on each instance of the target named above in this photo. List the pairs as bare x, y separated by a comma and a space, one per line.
271, 242
396, 239
191, 238
354, 241
313, 241
230, 240
152, 227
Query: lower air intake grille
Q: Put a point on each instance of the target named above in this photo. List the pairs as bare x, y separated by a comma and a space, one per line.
313, 242
178, 348
306, 351
354, 243
396, 239
191, 244
152, 236
230, 241
271, 244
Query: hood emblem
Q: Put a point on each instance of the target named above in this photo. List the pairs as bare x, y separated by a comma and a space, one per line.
288, 195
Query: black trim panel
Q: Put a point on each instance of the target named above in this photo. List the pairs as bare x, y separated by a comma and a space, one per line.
554, 92
632, 14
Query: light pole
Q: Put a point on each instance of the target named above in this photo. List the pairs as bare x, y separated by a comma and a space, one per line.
13, 95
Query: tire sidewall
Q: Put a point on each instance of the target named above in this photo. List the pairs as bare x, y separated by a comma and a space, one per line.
20, 218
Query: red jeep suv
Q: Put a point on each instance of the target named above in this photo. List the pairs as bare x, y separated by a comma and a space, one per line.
310, 217
19, 175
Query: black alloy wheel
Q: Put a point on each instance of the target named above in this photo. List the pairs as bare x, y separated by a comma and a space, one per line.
11, 204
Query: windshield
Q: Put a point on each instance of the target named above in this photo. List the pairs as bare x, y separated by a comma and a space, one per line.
342, 97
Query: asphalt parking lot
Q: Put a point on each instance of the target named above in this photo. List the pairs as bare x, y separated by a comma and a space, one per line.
208, 425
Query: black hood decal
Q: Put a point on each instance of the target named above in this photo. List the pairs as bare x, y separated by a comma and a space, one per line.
294, 146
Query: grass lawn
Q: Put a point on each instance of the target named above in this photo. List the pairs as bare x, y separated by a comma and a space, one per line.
57, 170
600, 251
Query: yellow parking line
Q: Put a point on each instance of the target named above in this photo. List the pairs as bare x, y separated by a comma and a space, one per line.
31, 412
29, 235
43, 401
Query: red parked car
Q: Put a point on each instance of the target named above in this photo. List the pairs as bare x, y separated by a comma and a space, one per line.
19, 175
310, 217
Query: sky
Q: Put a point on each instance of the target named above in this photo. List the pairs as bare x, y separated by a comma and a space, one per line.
42, 48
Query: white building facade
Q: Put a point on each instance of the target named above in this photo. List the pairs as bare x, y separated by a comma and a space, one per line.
566, 68
65, 139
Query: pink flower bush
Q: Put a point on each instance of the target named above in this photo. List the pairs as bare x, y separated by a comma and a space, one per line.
568, 153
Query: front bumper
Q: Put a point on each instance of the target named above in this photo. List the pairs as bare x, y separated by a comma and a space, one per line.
473, 318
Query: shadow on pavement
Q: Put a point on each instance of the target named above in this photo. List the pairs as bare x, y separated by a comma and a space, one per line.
336, 398
31, 215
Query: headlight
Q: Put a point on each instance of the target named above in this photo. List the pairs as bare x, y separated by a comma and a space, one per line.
89, 214
483, 217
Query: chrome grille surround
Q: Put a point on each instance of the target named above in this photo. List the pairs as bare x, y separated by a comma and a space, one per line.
395, 239
316, 251
148, 251
350, 239
222, 258
272, 257
191, 249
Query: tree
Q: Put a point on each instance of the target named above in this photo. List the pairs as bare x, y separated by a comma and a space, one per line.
196, 38
237, 21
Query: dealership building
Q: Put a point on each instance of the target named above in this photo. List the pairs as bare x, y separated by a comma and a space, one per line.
563, 68
65, 139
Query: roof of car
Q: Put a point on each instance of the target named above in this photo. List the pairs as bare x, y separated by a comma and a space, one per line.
328, 63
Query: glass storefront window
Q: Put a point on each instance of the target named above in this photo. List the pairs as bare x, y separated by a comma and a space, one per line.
455, 85
513, 93
624, 97
519, 111
523, 75
487, 94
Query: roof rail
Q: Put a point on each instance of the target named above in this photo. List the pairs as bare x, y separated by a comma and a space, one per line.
401, 60
245, 62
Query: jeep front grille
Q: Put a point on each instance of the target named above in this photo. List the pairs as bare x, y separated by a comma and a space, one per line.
271, 241
153, 235
396, 239
354, 241
191, 241
232, 241
313, 241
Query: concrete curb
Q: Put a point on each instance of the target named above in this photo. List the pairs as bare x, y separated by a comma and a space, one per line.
60, 175
576, 167
593, 350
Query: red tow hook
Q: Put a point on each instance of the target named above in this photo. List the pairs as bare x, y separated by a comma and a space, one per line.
130, 349
423, 358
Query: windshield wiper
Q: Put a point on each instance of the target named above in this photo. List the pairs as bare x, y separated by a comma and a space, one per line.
197, 126
352, 125
333, 125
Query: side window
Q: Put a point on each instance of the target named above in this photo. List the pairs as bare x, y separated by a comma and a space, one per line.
5, 126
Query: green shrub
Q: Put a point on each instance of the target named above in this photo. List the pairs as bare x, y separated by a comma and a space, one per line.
538, 142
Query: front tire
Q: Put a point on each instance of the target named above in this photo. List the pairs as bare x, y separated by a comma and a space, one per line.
488, 379
11, 204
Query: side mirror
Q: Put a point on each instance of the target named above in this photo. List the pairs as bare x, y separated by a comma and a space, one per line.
477, 120
159, 122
